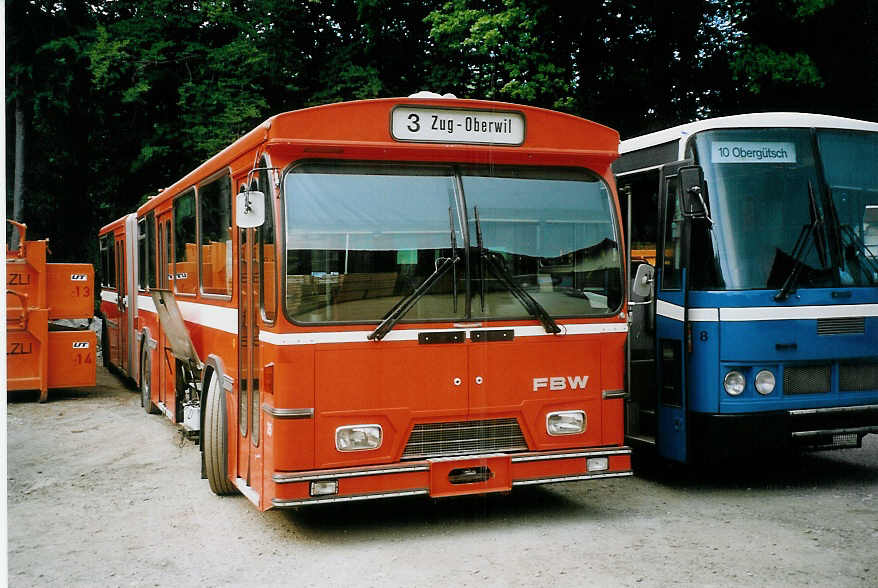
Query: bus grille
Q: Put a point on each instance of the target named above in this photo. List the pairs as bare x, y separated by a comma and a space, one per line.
857, 377
809, 379
842, 326
464, 438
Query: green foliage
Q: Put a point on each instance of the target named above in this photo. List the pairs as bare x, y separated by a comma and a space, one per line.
755, 64
508, 56
122, 98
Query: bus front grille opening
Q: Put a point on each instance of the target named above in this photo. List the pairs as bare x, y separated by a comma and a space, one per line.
464, 438
857, 377
809, 379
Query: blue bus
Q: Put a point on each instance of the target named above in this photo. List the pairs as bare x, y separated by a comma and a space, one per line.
754, 313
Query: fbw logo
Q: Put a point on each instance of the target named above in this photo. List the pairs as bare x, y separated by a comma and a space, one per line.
561, 383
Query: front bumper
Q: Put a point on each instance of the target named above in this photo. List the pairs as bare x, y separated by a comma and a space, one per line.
450, 476
729, 435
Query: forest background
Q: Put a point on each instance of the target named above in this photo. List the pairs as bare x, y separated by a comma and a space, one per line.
108, 101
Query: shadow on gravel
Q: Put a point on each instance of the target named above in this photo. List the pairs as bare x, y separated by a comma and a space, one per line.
783, 471
414, 515
107, 385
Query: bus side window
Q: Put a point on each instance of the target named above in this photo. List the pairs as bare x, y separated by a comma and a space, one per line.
215, 220
185, 254
671, 275
108, 267
150, 261
110, 261
267, 257
644, 189
142, 253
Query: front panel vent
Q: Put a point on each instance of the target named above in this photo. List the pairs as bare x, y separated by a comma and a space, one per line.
464, 438
808, 379
855, 325
857, 377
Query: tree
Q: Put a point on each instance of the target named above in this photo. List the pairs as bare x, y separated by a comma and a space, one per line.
807, 55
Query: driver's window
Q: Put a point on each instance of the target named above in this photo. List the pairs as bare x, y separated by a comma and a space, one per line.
671, 255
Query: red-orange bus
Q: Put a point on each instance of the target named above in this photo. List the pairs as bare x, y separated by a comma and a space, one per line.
382, 298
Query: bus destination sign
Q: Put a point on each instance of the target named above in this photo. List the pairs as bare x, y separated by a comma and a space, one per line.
752, 152
446, 125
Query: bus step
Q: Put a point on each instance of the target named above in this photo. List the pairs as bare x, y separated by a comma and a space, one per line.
647, 439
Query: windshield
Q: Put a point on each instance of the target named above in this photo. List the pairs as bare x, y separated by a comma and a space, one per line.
850, 164
556, 234
359, 238
760, 185
362, 238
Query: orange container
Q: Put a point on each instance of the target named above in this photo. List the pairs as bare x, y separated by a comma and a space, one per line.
38, 358
72, 356
70, 290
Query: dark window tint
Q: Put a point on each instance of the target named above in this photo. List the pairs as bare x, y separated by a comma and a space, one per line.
267, 255
216, 237
185, 253
150, 258
671, 275
142, 253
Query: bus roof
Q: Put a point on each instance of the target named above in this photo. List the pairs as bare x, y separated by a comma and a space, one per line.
367, 123
761, 119
113, 225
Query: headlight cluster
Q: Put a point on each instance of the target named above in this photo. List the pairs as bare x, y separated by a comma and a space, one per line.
358, 437
735, 382
568, 422
764, 382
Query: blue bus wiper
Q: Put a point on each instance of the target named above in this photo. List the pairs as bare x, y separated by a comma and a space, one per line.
810, 235
497, 265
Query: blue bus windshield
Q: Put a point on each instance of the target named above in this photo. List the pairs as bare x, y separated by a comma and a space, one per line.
764, 186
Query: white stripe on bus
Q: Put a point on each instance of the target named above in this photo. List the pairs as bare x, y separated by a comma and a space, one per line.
221, 318
412, 334
766, 313
226, 319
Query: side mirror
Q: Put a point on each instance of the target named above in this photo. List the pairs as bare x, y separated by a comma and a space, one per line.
249, 209
691, 182
643, 281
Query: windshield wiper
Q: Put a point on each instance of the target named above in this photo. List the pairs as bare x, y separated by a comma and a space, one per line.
497, 264
443, 264
481, 247
453, 254
810, 235
849, 238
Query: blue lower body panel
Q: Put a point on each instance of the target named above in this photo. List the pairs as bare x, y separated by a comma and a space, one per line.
717, 436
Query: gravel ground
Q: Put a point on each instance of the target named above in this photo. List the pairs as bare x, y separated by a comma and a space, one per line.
99, 493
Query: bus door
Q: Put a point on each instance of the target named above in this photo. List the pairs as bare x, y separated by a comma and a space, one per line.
248, 356
671, 327
121, 357
166, 382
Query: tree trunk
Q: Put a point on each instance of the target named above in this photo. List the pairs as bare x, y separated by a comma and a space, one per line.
18, 180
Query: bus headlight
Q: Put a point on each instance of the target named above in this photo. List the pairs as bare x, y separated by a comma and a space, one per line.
764, 382
358, 437
734, 383
568, 422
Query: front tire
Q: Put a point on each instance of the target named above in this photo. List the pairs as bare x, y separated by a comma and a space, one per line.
216, 438
146, 383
